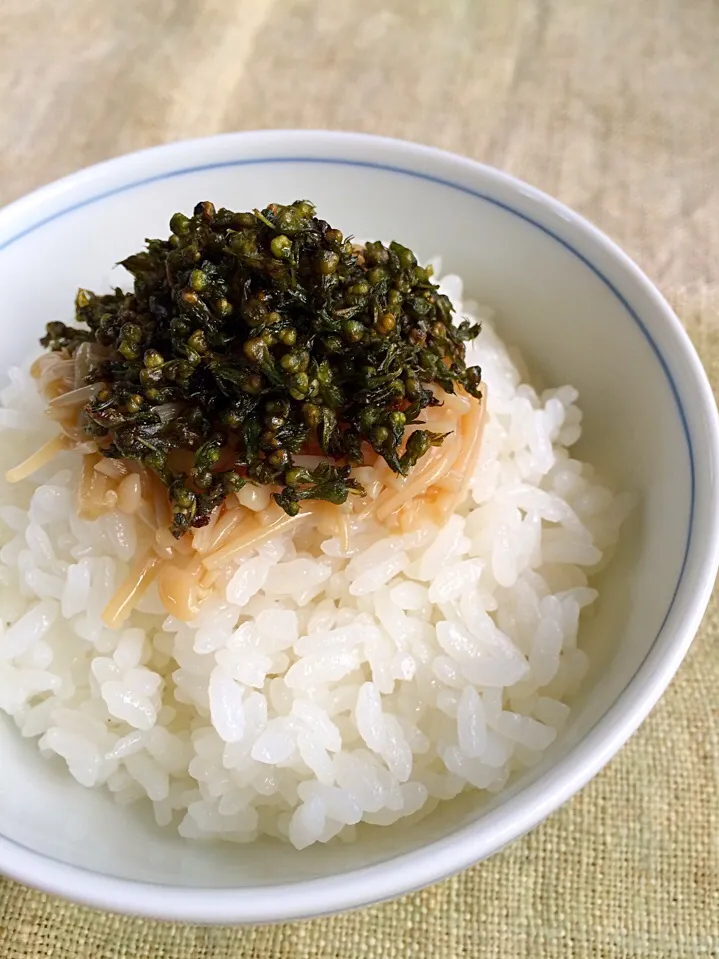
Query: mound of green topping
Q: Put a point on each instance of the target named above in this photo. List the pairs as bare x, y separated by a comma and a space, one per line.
250, 338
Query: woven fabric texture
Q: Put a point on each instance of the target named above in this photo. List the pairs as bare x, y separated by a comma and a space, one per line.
613, 107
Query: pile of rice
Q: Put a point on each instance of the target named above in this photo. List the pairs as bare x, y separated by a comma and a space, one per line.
320, 688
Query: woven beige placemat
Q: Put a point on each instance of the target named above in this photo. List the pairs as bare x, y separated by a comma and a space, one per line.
611, 105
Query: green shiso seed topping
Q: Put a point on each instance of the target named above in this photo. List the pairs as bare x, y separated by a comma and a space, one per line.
270, 334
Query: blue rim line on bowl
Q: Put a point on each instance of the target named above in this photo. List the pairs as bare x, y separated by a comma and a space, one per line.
110, 894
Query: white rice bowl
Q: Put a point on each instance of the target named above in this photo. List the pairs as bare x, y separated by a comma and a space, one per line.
318, 689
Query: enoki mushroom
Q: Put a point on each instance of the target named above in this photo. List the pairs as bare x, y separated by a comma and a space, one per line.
187, 569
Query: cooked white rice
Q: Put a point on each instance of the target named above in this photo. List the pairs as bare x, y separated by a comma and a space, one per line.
319, 689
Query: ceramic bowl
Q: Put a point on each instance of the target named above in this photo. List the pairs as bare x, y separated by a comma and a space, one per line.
581, 312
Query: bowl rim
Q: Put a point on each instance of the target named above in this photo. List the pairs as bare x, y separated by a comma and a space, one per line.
407, 872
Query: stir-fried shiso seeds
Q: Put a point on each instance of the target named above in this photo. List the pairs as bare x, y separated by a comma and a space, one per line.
250, 338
